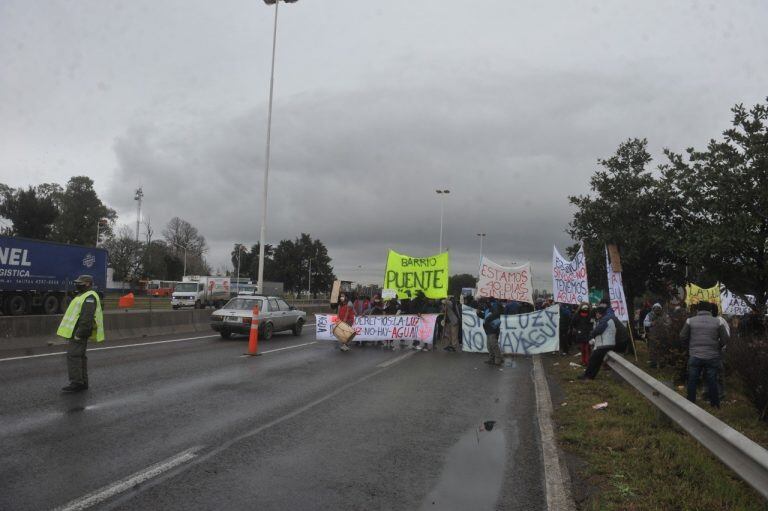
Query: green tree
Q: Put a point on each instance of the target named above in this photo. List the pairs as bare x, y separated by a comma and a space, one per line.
125, 255
81, 210
720, 219
459, 281
181, 237
32, 212
627, 208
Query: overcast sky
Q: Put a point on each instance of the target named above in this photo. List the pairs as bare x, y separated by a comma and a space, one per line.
377, 103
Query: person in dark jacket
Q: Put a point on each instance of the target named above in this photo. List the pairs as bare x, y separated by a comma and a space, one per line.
566, 313
579, 329
491, 325
377, 308
706, 336
419, 307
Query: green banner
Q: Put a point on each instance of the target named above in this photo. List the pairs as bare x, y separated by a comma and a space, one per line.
406, 275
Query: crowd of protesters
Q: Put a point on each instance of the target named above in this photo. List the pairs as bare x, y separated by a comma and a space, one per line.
692, 340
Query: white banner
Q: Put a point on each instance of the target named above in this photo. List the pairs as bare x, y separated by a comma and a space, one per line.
473, 338
569, 278
505, 283
733, 305
616, 291
407, 327
524, 334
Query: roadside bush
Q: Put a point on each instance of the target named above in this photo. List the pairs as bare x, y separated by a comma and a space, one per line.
747, 358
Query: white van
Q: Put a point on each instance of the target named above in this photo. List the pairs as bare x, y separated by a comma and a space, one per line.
201, 291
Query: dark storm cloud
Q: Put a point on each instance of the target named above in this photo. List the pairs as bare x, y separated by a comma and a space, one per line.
359, 169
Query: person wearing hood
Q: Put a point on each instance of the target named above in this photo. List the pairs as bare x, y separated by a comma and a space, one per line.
656, 324
579, 329
602, 338
452, 321
492, 326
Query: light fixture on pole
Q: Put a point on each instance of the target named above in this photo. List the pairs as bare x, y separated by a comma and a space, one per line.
103, 222
183, 247
137, 197
263, 232
442, 194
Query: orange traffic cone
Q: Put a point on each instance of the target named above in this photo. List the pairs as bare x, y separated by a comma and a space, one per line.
253, 340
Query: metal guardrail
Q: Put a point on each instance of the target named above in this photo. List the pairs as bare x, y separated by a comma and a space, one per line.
748, 459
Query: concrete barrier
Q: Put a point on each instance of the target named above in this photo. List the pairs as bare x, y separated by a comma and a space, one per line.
30, 332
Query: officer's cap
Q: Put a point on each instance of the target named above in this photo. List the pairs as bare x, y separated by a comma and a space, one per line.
84, 279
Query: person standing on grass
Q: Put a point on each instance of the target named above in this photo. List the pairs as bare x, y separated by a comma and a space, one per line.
656, 325
706, 337
579, 329
602, 339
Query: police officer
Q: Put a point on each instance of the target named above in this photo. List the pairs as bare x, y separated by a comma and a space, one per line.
83, 322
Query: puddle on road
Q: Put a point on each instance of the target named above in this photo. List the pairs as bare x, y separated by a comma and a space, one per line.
472, 474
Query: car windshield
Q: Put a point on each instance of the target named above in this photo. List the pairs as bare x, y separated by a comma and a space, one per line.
243, 304
187, 287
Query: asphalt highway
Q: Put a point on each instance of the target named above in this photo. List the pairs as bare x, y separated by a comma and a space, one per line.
187, 422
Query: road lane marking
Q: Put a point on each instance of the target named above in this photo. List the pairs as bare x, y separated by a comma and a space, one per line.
395, 360
110, 347
556, 477
117, 347
282, 349
107, 492
226, 445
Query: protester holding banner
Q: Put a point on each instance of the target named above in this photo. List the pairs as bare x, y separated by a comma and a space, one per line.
346, 313
602, 339
451, 328
491, 325
376, 308
579, 329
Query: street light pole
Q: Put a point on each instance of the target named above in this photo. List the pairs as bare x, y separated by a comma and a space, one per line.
239, 251
263, 233
309, 280
442, 194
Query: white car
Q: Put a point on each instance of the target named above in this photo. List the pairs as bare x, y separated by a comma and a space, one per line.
275, 315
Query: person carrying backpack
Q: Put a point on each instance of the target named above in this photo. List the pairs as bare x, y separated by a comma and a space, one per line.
608, 334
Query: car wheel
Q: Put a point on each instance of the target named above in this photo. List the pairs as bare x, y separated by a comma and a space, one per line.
51, 304
266, 331
225, 334
297, 327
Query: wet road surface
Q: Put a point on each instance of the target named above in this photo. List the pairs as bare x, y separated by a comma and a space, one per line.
194, 425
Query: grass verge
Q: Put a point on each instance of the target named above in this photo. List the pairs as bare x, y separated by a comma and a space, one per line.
628, 456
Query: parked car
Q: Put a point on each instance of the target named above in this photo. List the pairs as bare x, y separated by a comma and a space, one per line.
275, 315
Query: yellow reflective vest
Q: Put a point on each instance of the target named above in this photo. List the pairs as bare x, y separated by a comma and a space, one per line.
68, 323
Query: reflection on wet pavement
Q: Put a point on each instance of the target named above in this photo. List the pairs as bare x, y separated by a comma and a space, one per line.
473, 472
